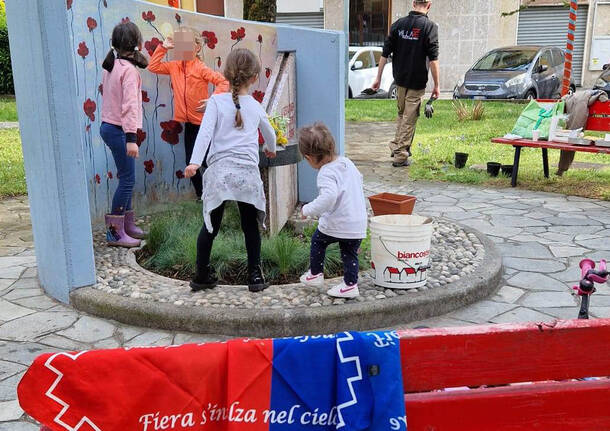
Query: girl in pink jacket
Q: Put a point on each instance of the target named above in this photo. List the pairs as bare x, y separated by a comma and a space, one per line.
121, 119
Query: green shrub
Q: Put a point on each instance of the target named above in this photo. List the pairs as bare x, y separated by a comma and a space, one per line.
171, 248
6, 71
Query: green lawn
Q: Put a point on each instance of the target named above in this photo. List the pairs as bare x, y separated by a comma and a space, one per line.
12, 174
438, 139
8, 109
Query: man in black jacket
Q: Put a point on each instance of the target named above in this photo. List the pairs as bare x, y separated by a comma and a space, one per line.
413, 44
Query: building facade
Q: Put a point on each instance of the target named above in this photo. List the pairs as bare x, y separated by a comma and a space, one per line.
470, 28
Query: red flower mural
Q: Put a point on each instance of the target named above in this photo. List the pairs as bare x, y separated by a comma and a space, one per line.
258, 96
267, 72
100, 89
178, 18
210, 39
260, 39
109, 175
140, 137
151, 45
148, 16
125, 20
171, 131
145, 97
179, 174
69, 4
89, 107
83, 51
149, 166
238, 34
91, 24
98, 180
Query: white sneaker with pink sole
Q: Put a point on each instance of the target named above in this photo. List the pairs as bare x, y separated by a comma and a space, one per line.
344, 291
313, 280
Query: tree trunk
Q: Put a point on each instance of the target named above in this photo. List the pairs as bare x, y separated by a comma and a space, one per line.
260, 10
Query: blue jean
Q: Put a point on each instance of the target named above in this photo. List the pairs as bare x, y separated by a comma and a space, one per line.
115, 139
349, 255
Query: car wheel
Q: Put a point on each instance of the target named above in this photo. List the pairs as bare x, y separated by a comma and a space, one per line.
393, 93
530, 95
350, 95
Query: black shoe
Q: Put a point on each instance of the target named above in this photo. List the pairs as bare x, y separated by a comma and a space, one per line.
401, 164
256, 281
204, 280
392, 155
408, 152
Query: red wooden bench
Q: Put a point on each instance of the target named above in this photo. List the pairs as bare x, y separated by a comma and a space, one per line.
550, 353
599, 120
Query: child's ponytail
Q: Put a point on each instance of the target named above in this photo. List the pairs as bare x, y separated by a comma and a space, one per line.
108, 63
239, 122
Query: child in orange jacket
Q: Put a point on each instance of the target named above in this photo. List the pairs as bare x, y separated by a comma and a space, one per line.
190, 80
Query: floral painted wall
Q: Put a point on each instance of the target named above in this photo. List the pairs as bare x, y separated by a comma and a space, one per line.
159, 170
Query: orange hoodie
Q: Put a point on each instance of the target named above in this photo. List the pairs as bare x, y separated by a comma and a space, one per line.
190, 81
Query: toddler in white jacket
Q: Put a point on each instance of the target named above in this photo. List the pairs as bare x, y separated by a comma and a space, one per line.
340, 206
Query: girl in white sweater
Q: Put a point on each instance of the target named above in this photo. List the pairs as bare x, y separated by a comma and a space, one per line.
340, 206
228, 143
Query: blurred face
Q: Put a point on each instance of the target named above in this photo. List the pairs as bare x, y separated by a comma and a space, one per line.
185, 47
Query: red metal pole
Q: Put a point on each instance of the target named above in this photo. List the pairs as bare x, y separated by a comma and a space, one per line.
567, 72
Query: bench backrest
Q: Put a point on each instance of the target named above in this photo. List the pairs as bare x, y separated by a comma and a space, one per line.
599, 117
550, 354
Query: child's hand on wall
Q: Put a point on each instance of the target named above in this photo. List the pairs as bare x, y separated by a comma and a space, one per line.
168, 43
269, 154
202, 105
133, 150
191, 170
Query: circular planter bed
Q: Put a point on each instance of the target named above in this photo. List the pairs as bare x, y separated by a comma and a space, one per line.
466, 267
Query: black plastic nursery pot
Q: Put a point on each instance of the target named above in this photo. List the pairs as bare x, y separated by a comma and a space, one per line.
507, 170
493, 168
460, 160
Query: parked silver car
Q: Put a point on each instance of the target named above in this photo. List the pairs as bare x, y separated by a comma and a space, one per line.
516, 72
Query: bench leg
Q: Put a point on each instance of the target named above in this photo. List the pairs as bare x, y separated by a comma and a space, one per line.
516, 166
545, 162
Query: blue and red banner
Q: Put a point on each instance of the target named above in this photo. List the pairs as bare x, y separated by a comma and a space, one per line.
349, 381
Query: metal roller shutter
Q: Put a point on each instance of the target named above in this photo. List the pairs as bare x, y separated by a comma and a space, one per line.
549, 26
311, 20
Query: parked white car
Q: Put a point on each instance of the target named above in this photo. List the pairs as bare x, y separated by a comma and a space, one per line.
363, 62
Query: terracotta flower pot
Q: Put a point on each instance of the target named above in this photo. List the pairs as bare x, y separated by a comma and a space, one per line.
389, 203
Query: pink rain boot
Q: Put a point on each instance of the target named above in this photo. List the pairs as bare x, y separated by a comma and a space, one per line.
131, 228
115, 232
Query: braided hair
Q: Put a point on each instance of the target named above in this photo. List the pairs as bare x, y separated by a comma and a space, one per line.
240, 67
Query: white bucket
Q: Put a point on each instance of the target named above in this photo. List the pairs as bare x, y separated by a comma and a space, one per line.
400, 250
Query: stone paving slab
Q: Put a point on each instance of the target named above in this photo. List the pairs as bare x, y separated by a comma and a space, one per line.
20, 343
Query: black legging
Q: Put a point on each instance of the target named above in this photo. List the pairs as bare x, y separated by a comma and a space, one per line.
249, 224
190, 136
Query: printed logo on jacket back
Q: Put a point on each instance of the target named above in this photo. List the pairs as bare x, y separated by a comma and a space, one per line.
412, 34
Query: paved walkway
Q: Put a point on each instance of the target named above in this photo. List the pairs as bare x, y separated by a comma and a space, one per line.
542, 237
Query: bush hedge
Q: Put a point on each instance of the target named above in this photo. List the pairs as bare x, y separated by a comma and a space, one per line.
6, 71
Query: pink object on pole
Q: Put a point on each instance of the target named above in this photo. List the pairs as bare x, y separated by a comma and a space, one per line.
567, 72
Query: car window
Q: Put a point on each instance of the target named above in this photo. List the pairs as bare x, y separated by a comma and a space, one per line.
510, 59
546, 59
365, 58
377, 57
558, 57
